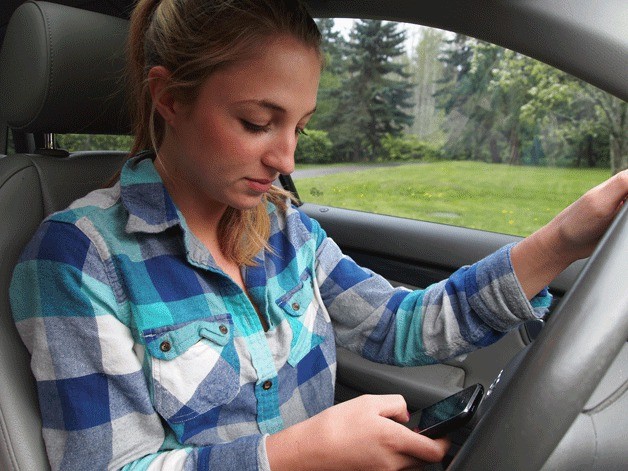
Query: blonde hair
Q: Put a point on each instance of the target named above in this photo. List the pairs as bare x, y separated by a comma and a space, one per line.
193, 39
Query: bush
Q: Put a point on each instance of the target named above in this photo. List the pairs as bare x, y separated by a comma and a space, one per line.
409, 147
78, 142
315, 147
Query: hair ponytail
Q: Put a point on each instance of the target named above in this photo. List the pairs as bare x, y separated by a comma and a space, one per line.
142, 110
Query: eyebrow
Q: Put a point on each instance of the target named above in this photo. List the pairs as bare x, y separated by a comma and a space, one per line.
273, 106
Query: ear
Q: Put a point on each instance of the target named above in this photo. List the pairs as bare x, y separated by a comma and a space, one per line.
158, 81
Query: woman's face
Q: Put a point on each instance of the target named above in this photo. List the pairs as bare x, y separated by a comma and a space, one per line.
241, 132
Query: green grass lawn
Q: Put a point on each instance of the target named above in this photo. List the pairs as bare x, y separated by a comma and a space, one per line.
498, 198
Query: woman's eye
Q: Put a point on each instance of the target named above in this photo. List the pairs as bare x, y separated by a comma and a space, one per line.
255, 128
300, 132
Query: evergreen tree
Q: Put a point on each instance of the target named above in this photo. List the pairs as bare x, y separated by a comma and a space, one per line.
376, 92
454, 85
333, 47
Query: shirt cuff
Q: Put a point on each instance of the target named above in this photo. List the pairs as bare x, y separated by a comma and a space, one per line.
501, 301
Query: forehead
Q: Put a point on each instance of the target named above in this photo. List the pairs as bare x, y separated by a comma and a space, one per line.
283, 71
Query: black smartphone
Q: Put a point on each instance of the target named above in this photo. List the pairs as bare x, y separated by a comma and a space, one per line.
449, 414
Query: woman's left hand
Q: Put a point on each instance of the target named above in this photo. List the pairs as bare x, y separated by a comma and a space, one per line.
570, 236
581, 225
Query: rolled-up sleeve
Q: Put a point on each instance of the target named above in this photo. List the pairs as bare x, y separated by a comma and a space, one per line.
473, 308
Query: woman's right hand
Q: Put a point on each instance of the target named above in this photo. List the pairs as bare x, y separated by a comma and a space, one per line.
364, 433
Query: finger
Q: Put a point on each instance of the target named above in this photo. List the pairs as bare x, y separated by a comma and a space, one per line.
422, 447
392, 406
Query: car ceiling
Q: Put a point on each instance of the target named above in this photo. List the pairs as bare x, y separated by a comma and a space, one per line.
587, 38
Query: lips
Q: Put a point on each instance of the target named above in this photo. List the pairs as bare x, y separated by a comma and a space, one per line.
259, 185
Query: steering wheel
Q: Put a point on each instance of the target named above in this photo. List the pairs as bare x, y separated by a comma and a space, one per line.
553, 382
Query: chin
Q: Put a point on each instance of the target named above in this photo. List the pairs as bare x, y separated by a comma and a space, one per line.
245, 203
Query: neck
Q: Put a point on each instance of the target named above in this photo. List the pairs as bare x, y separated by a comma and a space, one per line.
202, 216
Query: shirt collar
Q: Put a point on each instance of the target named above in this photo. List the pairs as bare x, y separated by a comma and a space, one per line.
151, 209
145, 197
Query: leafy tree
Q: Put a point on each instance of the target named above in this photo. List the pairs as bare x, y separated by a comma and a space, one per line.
510, 79
505, 107
614, 114
592, 124
375, 95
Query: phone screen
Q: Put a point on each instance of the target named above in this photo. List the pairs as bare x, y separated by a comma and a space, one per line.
448, 414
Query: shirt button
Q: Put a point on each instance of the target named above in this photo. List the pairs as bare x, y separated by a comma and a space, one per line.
296, 306
267, 385
165, 346
223, 329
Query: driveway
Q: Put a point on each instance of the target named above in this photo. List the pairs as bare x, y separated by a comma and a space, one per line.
328, 170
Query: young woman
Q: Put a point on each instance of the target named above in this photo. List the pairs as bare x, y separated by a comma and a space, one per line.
188, 316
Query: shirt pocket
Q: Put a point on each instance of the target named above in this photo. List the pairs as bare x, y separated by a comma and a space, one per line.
194, 367
301, 308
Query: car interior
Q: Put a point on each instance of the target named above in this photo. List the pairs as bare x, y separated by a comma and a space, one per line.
558, 391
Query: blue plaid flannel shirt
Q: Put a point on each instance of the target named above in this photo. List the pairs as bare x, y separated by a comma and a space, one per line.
147, 356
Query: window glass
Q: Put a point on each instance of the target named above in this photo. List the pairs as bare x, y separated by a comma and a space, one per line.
78, 142
427, 124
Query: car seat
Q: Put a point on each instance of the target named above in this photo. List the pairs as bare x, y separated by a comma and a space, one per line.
61, 71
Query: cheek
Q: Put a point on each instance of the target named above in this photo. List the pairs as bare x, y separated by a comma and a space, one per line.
237, 147
224, 140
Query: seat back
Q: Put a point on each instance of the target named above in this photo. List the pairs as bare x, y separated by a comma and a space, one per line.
60, 72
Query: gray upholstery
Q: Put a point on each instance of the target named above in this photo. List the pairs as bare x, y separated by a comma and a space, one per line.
66, 74
60, 71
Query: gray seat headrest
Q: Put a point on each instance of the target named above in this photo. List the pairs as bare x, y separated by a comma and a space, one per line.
62, 71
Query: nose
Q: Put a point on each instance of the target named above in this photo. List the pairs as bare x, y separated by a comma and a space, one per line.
280, 155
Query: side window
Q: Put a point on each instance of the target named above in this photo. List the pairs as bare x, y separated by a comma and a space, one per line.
78, 142
427, 124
